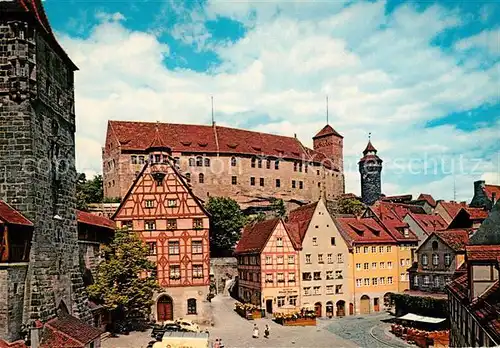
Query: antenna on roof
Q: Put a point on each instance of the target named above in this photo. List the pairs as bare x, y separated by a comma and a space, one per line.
326, 109
213, 119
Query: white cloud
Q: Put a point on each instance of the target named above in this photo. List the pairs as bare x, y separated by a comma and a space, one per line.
381, 73
488, 40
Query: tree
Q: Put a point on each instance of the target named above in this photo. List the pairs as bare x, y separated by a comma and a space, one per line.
350, 206
278, 206
226, 222
125, 281
255, 218
88, 191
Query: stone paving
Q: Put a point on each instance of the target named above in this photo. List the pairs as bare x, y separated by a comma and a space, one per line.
349, 332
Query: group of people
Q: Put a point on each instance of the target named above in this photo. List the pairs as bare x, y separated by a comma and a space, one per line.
218, 343
255, 333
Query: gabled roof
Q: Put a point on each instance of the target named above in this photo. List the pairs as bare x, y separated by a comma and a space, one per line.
74, 332
452, 208
483, 253
455, 239
327, 130
429, 223
391, 215
255, 236
94, 220
476, 213
136, 136
428, 198
299, 220
356, 230
11, 216
489, 231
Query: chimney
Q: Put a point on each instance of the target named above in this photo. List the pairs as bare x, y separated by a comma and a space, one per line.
295, 135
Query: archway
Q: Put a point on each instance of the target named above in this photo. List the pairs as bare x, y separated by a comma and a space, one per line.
329, 309
365, 305
341, 308
165, 308
318, 309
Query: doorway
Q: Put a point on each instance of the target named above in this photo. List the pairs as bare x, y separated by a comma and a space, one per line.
376, 304
341, 308
269, 306
365, 304
317, 309
165, 308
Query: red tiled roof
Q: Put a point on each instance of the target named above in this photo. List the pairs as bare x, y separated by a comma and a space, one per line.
76, 332
91, 219
428, 198
136, 136
11, 216
452, 208
397, 198
255, 236
483, 252
16, 344
357, 230
392, 215
455, 239
429, 223
490, 189
299, 219
476, 213
157, 140
327, 130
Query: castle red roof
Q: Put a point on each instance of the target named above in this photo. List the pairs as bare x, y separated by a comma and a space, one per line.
429, 223
327, 130
357, 230
369, 148
136, 136
157, 142
68, 332
11, 216
392, 215
428, 198
91, 219
455, 239
490, 189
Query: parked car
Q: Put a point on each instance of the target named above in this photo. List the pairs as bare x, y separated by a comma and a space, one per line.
187, 325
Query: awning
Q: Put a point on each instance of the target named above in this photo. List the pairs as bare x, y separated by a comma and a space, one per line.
421, 318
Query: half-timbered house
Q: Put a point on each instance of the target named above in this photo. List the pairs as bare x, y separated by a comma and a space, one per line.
161, 207
268, 265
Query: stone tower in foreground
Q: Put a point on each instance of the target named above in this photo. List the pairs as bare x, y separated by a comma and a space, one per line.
370, 168
38, 176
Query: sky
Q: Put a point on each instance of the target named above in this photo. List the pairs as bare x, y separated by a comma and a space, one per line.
422, 77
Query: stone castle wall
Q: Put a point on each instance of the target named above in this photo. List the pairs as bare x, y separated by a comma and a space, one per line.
37, 159
119, 173
12, 281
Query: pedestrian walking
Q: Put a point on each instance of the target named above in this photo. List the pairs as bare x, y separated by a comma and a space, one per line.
255, 331
221, 345
266, 332
216, 343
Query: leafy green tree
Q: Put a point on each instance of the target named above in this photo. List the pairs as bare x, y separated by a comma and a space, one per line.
350, 206
255, 218
278, 206
88, 191
226, 222
125, 281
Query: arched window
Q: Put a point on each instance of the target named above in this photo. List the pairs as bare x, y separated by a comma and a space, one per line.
191, 162
253, 162
207, 162
191, 306
188, 177
434, 245
435, 259
199, 161
201, 178
425, 260
233, 161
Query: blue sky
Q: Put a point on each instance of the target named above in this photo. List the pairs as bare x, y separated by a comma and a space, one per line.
423, 77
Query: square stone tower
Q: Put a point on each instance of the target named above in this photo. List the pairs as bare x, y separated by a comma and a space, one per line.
37, 167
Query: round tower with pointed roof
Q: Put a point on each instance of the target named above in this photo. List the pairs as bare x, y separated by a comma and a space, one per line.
370, 168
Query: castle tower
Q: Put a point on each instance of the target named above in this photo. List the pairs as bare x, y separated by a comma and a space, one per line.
37, 160
329, 142
370, 168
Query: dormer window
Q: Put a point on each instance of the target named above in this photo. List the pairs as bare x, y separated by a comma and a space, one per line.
406, 232
434, 245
